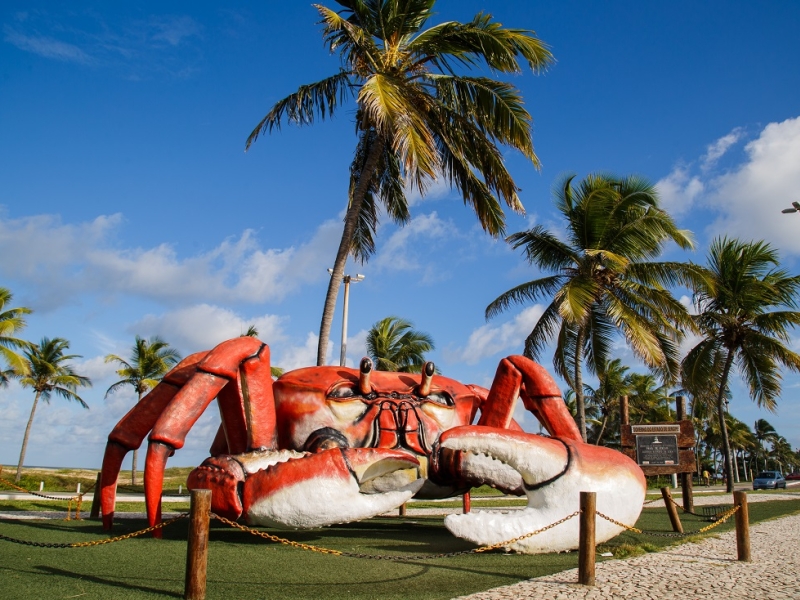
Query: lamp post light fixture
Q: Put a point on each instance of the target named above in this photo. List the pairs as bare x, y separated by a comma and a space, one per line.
347, 279
795, 208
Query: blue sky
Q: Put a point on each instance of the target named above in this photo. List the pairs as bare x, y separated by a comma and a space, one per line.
128, 205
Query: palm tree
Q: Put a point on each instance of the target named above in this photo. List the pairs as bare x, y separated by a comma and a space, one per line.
614, 383
416, 119
649, 401
48, 373
12, 320
743, 319
602, 283
394, 345
764, 432
150, 361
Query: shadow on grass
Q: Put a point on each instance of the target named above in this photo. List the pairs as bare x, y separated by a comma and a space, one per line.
111, 583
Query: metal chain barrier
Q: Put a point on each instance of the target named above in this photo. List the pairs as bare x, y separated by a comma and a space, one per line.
721, 519
280, 540
691, 512
118, 538
77, 498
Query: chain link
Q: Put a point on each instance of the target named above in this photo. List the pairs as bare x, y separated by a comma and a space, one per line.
275, 538
720, 520
118, 538
280, 540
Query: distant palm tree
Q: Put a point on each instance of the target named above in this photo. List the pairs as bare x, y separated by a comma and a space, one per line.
418, 117
603, 283
764, 432
394, 345
12, 321
48, 373
614, 383
649, 401
150, 361
745, 314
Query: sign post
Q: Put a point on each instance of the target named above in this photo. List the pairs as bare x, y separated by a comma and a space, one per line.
661, 448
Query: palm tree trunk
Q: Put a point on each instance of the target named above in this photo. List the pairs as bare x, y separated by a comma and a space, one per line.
736, 466
723, 428
602, 430
345, 244
579, 400
25, 438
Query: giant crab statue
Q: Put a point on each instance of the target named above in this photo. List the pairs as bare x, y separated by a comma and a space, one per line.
325, 445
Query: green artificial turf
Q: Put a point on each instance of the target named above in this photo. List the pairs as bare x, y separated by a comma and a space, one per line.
243, 566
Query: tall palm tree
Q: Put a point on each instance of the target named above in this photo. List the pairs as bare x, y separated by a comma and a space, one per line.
764, 432
394, 345
150, 360
416, 118
12, 321
744, 314
48, 373
602, 280
614, 383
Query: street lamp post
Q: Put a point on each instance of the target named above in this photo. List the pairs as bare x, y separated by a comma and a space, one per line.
347, 279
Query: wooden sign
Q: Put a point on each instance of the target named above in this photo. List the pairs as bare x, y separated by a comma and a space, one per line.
659, 448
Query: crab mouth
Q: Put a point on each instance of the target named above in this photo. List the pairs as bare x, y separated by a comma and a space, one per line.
379, 470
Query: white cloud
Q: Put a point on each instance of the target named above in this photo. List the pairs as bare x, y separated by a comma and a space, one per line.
78, 258
438, 188
295, 357
750, 198
173, 29
678, 191
46, 47
356, 348
403, 250
488, 340
203, 326
717, 150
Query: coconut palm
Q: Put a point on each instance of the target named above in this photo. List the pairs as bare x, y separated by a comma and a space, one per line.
12, 321
394, 345
764, 432
150, 360
416, 118
745, 314
613, 384
602, 282
48, 373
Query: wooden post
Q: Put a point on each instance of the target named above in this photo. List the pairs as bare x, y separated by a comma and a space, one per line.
95, 512
672, 511
466, 502
402, 510
586, 537
624, 415
742, 527
687, 489
197, 550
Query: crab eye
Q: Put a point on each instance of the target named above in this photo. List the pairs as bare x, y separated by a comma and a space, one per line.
342, 392
440, 398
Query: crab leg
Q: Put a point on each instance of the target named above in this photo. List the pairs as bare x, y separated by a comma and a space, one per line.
520, 377
233, 372
134, 426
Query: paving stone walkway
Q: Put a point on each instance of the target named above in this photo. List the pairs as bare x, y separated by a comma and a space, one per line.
703, 570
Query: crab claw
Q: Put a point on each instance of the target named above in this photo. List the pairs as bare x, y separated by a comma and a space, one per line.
553, 473
333, 486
